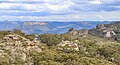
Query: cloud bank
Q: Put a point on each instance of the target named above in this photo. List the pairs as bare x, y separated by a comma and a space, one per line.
59, 10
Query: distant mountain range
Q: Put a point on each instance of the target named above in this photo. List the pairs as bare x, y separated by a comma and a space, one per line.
47, 27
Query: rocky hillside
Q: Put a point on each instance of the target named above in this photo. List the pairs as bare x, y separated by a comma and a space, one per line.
75, 47
110, 31
15, 48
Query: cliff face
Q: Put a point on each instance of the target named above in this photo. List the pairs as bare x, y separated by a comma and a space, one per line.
34, 23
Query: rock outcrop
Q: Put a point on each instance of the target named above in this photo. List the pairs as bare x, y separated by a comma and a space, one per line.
82, 32
73, 31
69, 45
110, 31
100, 26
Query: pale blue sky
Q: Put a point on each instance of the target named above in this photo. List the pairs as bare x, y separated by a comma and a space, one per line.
60, 10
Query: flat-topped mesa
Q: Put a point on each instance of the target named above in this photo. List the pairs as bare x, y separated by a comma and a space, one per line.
34, 23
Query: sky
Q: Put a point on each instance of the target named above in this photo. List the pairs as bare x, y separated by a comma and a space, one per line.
60, 10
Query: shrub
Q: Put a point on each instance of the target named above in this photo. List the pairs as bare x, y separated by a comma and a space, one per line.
50, 39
